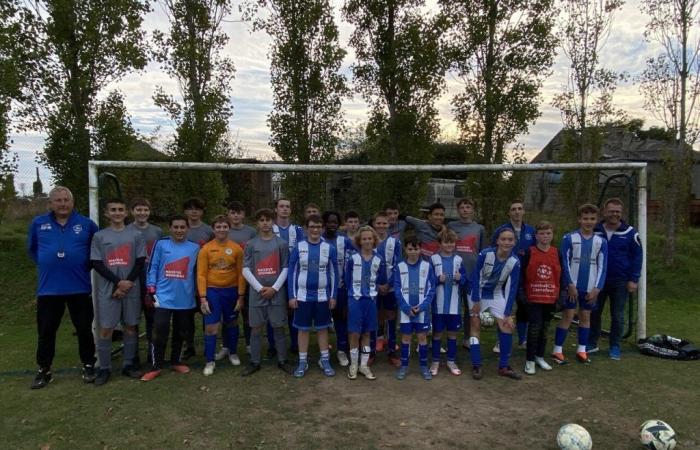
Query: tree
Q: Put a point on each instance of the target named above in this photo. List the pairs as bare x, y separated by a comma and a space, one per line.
400, 73
586, 103
191, 53
307, 86
16, 64
83, 46
502, 52
671, 85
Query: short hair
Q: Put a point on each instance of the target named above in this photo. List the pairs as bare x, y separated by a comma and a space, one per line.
194, 203
175, 217
236, 206
312, 205
614, 201
504, 230
587, 208
514, 201
380, 214
466, 201
352, 215
544, 225
411, 239
315, 218
366, 228
434, 206
267, 213
447, 235
327, 215
140, 201
114, 200
282, 199
390, 205
58, 189
220, 219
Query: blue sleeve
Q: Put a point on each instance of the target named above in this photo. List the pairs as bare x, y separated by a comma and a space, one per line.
32, 243
514, 283
333, 274
292, 273
476, 278
403, 303
565, 249
300, 234
463, 280
154, 264
347, 274
429, 290
602, 264
381, 273
636, 256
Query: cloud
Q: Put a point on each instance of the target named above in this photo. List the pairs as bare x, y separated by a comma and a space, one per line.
251, 97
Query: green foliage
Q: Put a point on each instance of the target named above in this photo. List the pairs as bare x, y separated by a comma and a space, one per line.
191, 53
81, 47
306, 120
501, 52
400, 73
670, 85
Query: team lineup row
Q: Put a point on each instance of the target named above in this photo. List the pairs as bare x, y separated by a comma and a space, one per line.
360, 282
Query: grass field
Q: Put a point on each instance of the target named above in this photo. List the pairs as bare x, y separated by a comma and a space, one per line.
271, 410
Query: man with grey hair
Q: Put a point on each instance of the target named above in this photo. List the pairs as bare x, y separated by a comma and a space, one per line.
59, 243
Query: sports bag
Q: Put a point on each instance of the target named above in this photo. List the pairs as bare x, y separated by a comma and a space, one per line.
664, 346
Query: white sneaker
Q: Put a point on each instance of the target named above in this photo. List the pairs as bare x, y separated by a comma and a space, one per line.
523, 345
454, 370
434, 368
497, 347
530, 367
235, 360
352, 372
221, 354
367, 372
342, 358
209, 368
542, 364
443, 350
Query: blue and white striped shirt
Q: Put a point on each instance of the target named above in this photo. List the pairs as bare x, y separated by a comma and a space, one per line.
313, 272
362, 276
447, 292
390, 251
414, 285
584, 261
494, 279
293, 234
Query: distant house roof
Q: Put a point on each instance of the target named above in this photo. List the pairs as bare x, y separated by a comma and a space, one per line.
620, 145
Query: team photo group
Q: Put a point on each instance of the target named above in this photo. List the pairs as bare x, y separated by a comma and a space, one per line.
373, 286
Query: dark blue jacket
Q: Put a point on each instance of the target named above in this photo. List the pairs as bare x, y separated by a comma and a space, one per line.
624, 253
62, 253
527, 238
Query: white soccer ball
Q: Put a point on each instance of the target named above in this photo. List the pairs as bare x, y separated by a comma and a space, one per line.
487, 319
657, 435
574, 437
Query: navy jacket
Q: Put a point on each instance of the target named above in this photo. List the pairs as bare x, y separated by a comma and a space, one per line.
624, 253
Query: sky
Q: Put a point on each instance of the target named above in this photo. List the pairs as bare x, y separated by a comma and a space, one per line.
625, 51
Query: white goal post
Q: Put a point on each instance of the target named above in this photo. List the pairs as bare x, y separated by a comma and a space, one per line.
639, 167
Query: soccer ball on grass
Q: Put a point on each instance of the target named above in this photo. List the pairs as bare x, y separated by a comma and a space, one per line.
657, 435
574, 437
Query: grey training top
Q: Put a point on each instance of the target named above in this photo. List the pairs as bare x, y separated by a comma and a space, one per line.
118, 250
266, 258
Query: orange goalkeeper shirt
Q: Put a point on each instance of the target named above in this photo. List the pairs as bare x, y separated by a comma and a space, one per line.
220, 266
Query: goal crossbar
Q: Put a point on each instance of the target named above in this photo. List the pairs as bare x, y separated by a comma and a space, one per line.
639, 167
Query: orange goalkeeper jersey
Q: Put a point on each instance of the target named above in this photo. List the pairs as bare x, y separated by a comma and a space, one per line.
221, 266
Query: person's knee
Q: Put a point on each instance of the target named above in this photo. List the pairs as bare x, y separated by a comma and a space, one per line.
105, 333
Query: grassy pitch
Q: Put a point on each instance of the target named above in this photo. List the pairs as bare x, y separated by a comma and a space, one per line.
271, 410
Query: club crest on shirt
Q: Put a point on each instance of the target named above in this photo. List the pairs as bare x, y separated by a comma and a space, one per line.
544, 272
228, 251
45, 226
77, 229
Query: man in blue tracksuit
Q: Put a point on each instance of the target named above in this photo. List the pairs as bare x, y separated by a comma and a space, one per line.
59, 244
624, 266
